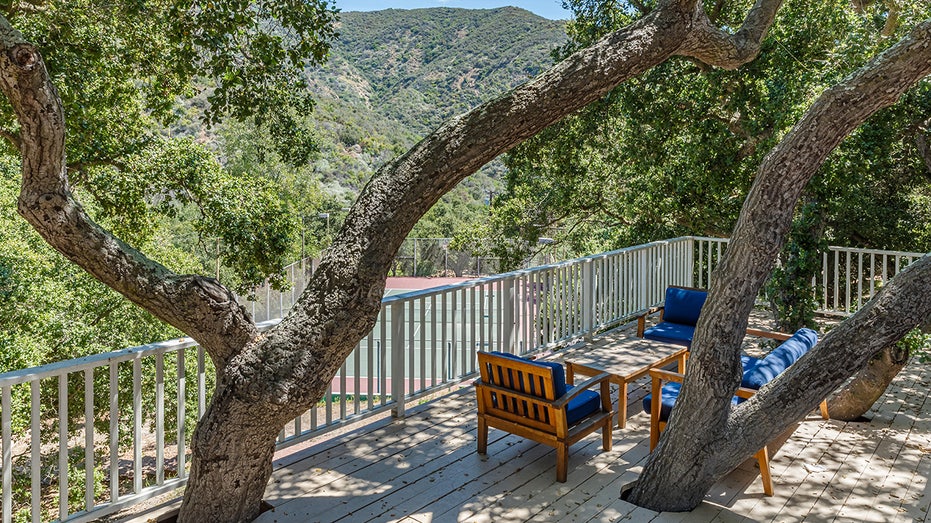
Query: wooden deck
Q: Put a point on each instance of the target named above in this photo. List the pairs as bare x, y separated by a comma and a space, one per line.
425, 469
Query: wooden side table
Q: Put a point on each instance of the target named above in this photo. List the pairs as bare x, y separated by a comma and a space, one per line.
626, 360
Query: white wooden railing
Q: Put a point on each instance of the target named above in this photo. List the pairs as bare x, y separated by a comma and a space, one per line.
137, 406
850, 277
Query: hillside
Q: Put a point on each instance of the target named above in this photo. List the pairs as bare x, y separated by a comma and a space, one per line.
394, 75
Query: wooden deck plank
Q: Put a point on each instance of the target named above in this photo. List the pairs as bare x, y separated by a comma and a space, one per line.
875, 467
442, 472
838, 477
917, 497
888, 501
333, 472
530, 489
458, 485
601, 486
797, 482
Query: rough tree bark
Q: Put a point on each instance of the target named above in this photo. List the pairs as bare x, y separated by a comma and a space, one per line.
706, 438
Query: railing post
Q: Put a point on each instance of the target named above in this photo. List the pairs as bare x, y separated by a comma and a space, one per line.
507, 319
645, 281
690, 262
588, 299
397, 358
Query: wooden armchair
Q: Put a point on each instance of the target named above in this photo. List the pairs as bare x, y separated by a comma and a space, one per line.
677, 316
658, 419
757, 372
530, 399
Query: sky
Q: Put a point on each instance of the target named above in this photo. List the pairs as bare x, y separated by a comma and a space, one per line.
551, 9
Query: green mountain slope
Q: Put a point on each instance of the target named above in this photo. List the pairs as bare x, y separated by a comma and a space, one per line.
394, 75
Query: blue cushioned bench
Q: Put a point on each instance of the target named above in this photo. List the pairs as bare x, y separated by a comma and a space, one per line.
756, 373
678, 317
532, 399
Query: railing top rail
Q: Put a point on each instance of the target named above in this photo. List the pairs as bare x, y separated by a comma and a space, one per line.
877, 251
426, 293
58, 368
704, 238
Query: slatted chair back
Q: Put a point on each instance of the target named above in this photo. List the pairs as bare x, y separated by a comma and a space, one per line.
530, 399
512, 385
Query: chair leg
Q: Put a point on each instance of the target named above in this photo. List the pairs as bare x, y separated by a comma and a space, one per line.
482, 435
655, 406
562, 462
824, 409
762, 457
606, 432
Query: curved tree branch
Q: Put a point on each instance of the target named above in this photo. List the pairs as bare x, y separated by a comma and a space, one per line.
12, 138
198, 306
900, 306
716, 47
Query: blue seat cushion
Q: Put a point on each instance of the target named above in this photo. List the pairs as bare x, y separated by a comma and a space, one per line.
779, 359
668, 396
683, 305
669, 332
585, 403
559, 374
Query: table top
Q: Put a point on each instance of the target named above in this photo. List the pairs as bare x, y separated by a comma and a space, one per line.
625, 357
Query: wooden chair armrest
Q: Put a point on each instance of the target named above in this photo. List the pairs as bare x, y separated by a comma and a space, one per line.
781, 336
743, 392
575, 391
642, 319
666, 375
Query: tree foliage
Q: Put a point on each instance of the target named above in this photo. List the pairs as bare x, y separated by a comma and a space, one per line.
121, 69
673, 152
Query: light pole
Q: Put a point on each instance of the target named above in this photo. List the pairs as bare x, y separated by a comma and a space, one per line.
326, 216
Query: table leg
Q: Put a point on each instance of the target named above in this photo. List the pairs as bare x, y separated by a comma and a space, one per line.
622, 406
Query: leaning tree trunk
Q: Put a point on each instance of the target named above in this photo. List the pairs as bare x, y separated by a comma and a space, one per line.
851, 402
706, 438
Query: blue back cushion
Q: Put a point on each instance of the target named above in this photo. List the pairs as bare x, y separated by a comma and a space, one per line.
779, 360
559, 374
683, 305
669, 332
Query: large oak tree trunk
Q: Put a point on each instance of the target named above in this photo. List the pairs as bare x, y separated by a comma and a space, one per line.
851, 402
233, 447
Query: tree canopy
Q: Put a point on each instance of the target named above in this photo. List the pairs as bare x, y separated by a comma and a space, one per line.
122, 68
673, 151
